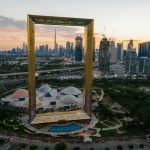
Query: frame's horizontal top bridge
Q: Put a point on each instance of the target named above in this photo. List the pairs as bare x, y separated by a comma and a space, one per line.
51, 20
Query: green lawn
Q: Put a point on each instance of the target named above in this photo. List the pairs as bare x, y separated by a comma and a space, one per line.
114, 120
109, 123
100, 125
109, 133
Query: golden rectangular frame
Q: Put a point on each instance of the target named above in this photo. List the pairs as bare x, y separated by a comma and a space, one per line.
88, 53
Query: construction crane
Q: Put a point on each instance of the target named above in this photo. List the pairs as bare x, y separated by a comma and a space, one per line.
103, 34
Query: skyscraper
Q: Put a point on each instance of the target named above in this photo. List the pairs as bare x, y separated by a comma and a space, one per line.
72, 51
68, 49
104, 56
55, 41
23, 47
78, 48
144, 65
113, 52
130, 44
131, 62
119, 51
61, 51
144, 50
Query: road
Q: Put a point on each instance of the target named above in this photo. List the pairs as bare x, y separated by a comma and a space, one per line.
41, 71
85, 146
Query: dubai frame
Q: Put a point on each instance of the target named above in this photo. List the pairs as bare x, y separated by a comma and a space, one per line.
88, 55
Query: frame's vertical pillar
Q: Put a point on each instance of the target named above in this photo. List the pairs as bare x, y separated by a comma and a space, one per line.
88, 58
31, 68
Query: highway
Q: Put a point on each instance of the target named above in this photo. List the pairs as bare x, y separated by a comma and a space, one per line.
41, 71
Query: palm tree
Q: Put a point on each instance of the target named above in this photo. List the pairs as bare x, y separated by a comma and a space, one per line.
130, 147
119, 147
141, 146
61, 146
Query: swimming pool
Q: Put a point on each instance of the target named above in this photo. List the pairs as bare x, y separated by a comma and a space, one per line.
67, 128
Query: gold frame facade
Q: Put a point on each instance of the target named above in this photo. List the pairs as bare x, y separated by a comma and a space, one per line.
88, 24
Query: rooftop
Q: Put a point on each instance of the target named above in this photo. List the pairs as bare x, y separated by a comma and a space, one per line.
60, 116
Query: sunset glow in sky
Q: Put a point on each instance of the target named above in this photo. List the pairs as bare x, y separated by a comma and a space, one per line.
123, 20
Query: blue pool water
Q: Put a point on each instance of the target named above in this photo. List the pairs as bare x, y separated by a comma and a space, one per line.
67, 128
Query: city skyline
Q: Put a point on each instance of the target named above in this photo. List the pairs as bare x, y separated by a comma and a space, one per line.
123, 20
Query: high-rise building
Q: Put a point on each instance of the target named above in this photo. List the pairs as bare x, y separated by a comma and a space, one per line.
131, 62
61, 51
72, 51
55, 41
104, 56
78, 48
144, 50
68, 49
46, 49
144, 65
23, 47
124, 54
113, 52
119, 51
130, 44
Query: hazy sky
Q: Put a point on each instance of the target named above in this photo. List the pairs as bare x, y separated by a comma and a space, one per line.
126, 18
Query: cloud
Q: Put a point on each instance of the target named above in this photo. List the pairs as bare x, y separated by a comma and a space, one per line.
12, 23
7, 22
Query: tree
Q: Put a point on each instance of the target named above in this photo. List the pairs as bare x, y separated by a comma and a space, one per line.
2, 141
76, 148
61, 146
119, 147
22, 145
130, 147
33, 147
46, 148
92, 148
141, 146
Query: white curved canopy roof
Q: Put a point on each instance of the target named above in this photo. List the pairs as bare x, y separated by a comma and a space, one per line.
71, 90
44, 88
69, 100
20, 93
26, 103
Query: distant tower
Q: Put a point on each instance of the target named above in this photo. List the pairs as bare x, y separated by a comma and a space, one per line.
55, 41
78, 48
104, 56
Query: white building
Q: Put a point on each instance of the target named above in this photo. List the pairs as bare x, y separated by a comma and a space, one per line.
47, 97
118, 70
